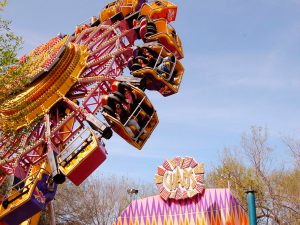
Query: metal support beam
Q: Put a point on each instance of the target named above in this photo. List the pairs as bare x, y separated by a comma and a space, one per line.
57, 176
92, 120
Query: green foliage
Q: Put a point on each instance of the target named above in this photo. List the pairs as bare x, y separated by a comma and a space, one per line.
9, 46
277, 191
233, 173
10, 43
13, 77
3, 4
14, 80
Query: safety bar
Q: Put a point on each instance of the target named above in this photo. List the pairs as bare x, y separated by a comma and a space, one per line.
23, 190
66, 156
141, 132
129, 118
159, 58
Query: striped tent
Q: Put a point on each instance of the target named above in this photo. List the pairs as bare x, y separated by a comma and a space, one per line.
212, 207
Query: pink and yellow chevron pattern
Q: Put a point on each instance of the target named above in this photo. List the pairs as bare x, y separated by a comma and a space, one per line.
212, 207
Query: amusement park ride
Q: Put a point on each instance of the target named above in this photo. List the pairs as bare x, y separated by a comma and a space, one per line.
51, 130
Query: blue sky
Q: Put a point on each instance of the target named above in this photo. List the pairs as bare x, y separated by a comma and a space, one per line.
241, 69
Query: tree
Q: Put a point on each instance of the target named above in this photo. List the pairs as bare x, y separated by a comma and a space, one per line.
10, 43
98, 201
277, 189
294, 147
13, 73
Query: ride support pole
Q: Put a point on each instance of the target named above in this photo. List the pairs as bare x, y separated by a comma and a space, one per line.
251, 207
51, 213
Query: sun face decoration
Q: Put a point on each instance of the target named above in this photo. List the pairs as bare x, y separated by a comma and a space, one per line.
180, 178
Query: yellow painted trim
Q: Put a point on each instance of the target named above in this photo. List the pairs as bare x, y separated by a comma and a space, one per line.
40, 168
33, 220
21, 111
67, 170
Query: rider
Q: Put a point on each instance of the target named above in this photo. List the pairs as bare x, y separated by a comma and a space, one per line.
150, 55
163, 63
122, 115
130, 100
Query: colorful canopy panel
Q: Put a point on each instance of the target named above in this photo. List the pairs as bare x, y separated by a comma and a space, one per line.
212, 207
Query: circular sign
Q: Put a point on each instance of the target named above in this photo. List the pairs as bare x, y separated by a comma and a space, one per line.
180, 178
